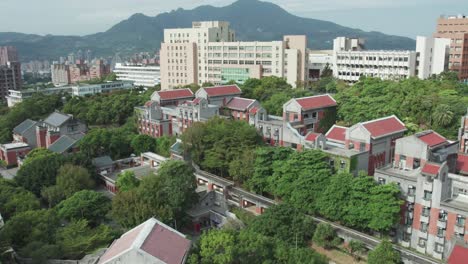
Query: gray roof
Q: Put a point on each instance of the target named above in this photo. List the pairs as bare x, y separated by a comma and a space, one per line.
57, 119
102, 161
65, 142
25, 125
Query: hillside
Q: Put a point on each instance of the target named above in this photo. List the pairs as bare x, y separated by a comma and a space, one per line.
252, 20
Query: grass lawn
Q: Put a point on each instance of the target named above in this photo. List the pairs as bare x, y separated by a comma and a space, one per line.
337, 256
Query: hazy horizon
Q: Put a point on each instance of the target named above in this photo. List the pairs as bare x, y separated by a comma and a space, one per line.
56, 17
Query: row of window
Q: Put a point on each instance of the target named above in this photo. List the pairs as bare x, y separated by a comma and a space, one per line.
373, 58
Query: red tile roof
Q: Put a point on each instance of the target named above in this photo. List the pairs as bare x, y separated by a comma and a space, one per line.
166, 245
459, 255
384, 126
312, 136
432, 139
175, 94
223, 90
123, 243
254, 110
154, 238
337, 133
196, 101
431, 169
462, 163
316, 102
241, 104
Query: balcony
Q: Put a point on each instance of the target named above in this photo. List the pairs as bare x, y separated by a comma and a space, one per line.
442, 224
423, 234
408, 229
427, 186
425, 219
410, 198
459, 229
437, 255
426, 203
421, 249
440, 239
406, 243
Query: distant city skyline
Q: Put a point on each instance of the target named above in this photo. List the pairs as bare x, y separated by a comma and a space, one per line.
397, 17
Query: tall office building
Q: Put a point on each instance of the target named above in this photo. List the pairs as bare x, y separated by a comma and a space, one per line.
456, 29
208, 52
10, 71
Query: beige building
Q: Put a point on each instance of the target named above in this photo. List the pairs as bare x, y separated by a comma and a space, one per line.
455, 28
208, 52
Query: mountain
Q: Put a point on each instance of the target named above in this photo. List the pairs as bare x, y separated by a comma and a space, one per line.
251, 19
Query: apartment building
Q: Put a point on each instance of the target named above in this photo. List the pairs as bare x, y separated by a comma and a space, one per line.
60, 74
140, 74
431, 172
455, 28
318, 61
10, 71
208, 52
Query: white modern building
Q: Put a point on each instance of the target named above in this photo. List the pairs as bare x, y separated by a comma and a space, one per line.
318, 61
351, 60
141, 75
433, 56
208, 52
107, 87
17, 96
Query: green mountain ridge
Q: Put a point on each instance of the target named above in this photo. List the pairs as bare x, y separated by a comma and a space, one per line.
251, 19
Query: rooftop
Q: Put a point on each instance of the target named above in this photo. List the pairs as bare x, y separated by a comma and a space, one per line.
240, 104
154, 238
459, 255
312, 136
175, 94
14, 145
384, 126
316, 102
432, 169
57, 119
222, 90
24, 126
431, 138
337, 133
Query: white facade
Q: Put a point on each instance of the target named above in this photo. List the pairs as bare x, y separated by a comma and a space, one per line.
318, 60
17, 96
433, 56
141, 75
207, 52
83, 90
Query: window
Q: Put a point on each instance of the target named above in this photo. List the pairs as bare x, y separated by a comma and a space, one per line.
440, 232
314, 115
381, 180
411, 190
427, 195
460, 220
422, 242
439, 248
424, 228
416, 163
342, 164
362, 146
426, 211
442, 215
332, 163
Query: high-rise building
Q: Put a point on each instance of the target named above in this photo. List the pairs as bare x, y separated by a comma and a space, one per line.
142, 75
208, 52
60, 74
10, 71
433, 56
455, 28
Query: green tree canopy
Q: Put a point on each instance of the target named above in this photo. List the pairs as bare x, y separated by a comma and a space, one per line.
14, 199
127, 181
143, 143
71, 179
384, 254
90, 205
325, 236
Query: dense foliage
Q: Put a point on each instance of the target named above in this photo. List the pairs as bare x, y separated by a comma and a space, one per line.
384, 254
14, 199
86, 204
436, 103
218, 142
162, 196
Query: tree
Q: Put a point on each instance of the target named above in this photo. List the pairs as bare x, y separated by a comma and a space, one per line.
254, 248
129, 210
114, 142
300, 179
333, 200
384, 254
90, 205
284, 223
218, 247
143, 143
14, 199
127, 181
71, 179
356, 248
242, 168
163, 145
39, 171
78, 238
40, 252
384, 207
443, 115
357, 210
30, 226
53, 195
325, 236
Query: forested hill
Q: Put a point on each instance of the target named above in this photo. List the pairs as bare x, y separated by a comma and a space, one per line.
251, 19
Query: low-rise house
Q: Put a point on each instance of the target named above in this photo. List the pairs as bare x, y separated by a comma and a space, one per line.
239, 108
172, 97
26, 132
152, 242
219, 95
10, 152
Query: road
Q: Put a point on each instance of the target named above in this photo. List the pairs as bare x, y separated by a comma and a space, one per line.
8, 174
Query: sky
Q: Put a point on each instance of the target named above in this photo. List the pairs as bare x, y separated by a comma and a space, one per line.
69, 17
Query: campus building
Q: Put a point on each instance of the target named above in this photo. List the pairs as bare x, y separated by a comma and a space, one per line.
319, 60
59, 133
455, 28
140, 74
431, 173
209, 52
10, 71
